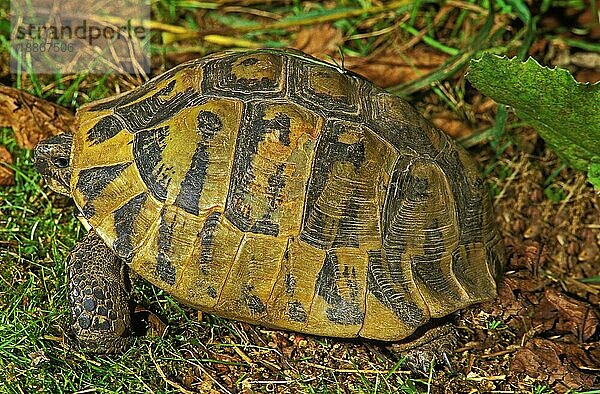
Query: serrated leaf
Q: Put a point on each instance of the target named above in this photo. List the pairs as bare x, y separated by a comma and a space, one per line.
594, 174
564, 112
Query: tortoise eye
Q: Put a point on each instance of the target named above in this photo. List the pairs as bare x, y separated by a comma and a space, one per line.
61, 162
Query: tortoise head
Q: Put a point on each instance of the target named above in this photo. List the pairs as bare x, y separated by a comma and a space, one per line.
52, 158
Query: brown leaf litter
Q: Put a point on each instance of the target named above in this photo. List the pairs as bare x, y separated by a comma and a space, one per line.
385, 67
7, 175
552, 316
32, 118
321, 41
554, 363
390, 68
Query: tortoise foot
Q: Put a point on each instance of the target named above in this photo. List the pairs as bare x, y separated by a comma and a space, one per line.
433, 347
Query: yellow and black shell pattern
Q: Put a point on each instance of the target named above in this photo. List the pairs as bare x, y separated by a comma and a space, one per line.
273, 188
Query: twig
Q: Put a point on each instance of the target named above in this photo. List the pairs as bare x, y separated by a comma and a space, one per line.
243, 355
511, 178
363, 371
500, 353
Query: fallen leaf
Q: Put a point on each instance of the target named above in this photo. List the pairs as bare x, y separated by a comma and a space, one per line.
320, 41
585, 357
156, 327
591, 76
7, 175
483, 105
586, 60
451, 126
389, 68
571, 315
517, 297
587, 18
32, 118
528, 254
509, 305
538, 47
549, 362
589, 62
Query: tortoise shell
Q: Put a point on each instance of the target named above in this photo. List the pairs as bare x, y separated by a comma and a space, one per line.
273, 188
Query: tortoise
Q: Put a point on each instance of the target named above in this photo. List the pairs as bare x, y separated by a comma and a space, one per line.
272, 188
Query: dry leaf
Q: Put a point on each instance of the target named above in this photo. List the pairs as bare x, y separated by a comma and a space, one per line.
591, 76
7, 176
571, 315
539, 47
509, 305
32, 118
550, 362
156, 327
528, 254
319, 40
483, 105
450, 125
389, 68
587, 18
589, 60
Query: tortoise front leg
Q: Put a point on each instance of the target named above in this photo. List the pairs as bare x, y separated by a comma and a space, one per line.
99, 296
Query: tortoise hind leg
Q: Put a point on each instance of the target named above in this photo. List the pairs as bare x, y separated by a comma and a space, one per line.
429, 345
98, 296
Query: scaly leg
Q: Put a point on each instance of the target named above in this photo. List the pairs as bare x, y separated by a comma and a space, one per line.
99, 296
429, 346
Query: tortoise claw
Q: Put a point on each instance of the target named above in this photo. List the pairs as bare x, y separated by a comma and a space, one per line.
431, 348
448, 364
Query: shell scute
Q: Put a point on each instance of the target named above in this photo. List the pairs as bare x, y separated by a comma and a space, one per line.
245, 76
347, 178
271, 167
326, 90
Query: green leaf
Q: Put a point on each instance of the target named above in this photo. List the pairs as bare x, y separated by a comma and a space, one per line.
5, 28
594, 174
564, 112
